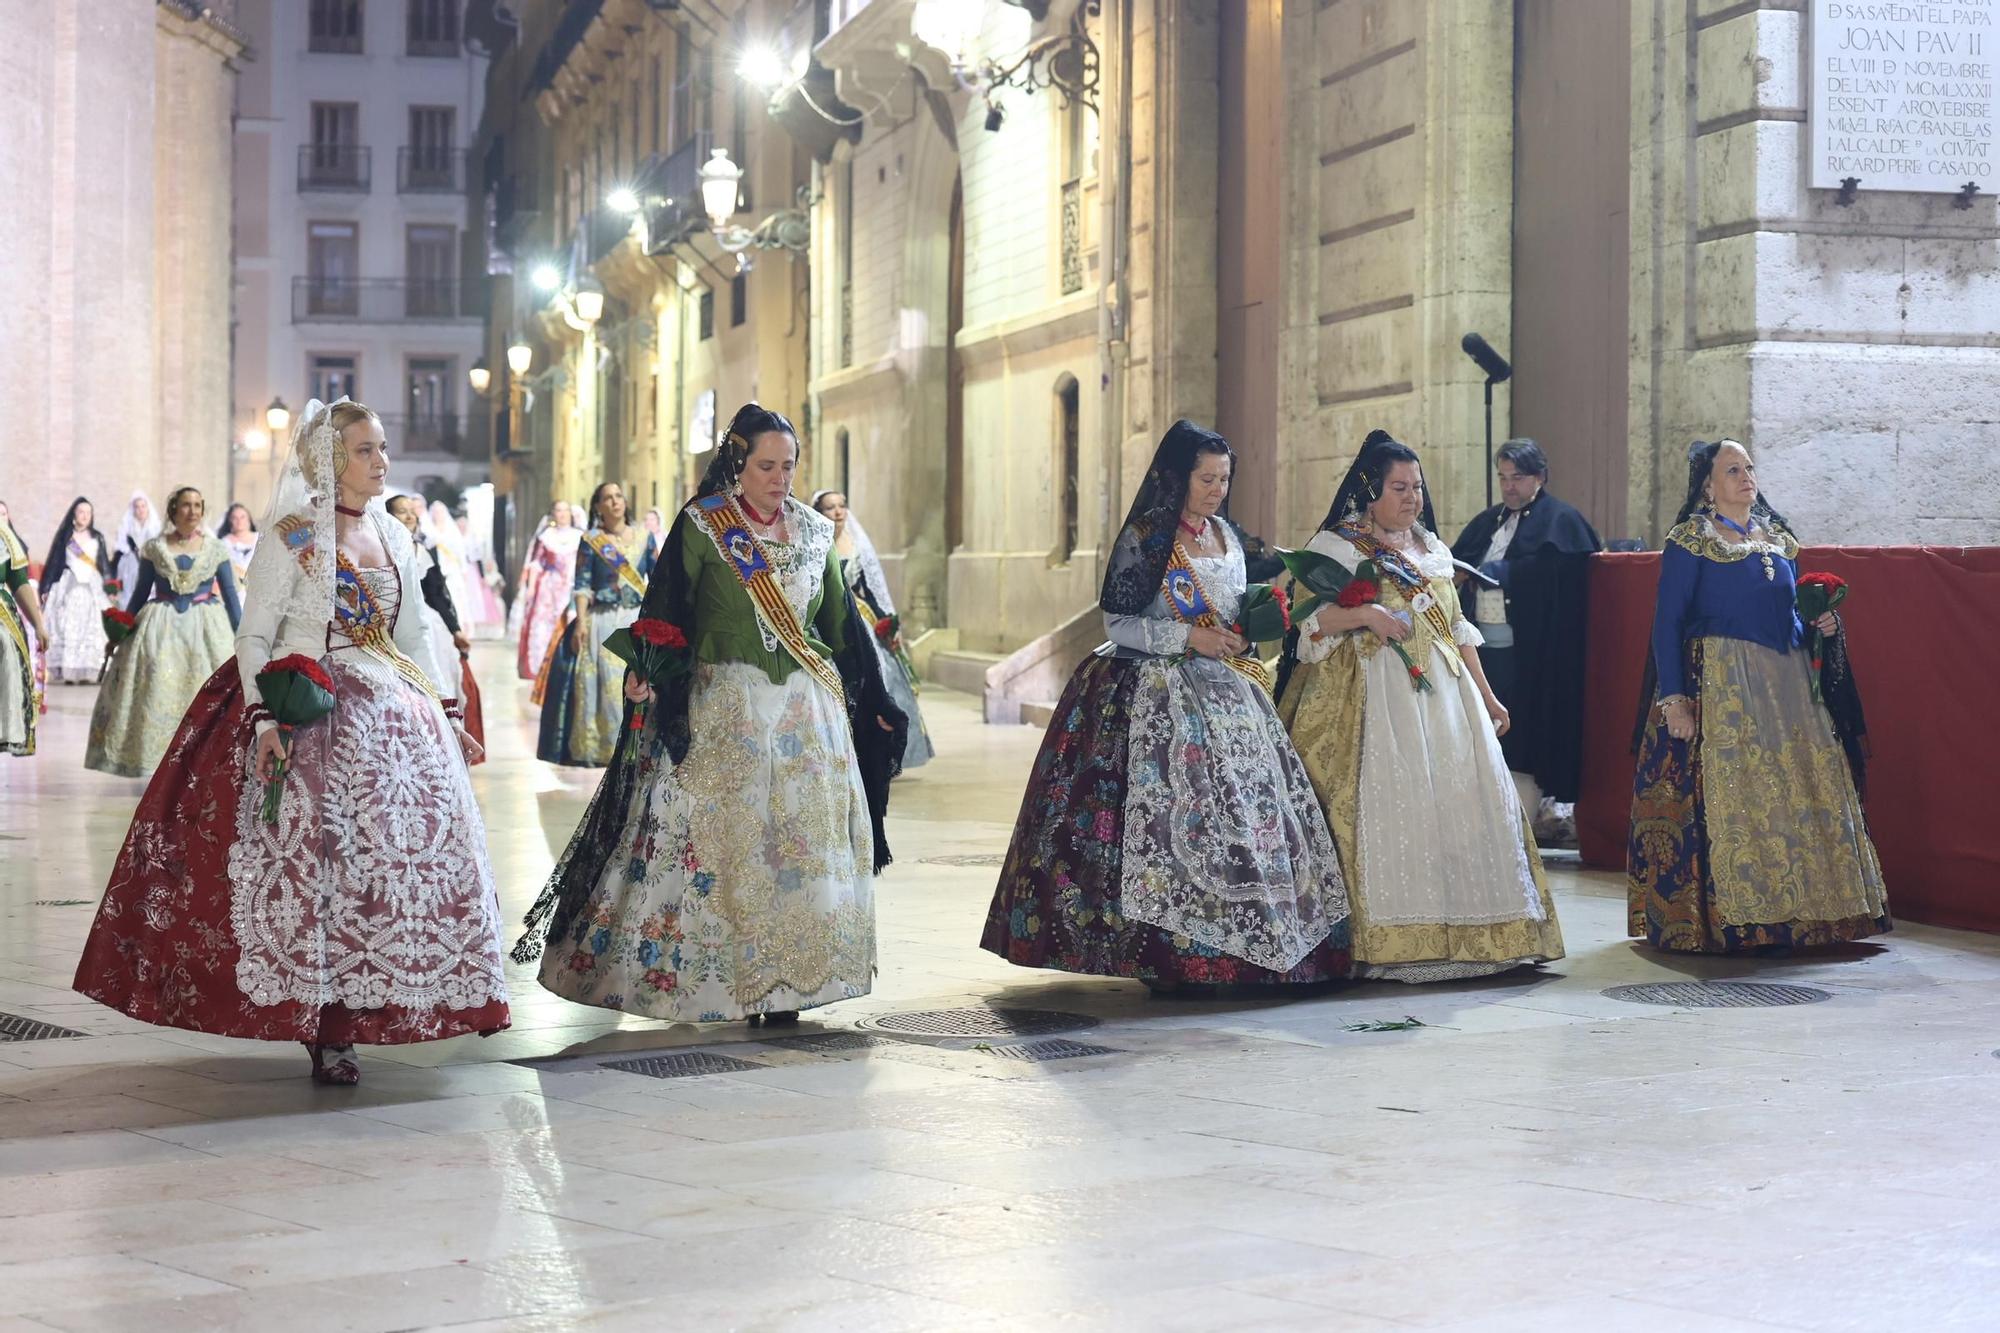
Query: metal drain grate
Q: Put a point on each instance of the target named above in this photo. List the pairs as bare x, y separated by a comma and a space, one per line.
687, 1064
982, 1022
968, 859
61, 902
15, 1028
1718, 994
1054, 1048
819, 1043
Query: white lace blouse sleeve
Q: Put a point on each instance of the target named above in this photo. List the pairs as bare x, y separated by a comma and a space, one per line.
1467, 635
1147, 634
257, 634
1311, 650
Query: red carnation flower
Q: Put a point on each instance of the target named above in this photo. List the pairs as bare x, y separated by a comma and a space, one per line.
305, 666
659, 633
125, 618
1829, 582
1358, 592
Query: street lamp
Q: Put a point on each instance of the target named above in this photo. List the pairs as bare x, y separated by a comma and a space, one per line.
546, 277
589, 300
763, 68
520, 356
624, 199
278, 417
481, 376
719, 181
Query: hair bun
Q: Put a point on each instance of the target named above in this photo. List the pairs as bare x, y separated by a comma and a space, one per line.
1699, 449
1377, 436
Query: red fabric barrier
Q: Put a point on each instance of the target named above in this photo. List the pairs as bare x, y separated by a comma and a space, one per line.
1924, 633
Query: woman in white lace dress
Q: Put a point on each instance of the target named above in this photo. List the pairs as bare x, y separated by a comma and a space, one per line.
76, 587
1169, 832
365, 913
1404, 749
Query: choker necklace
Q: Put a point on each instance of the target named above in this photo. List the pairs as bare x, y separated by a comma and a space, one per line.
758, 518
339, 508
1195, 531
1760, 549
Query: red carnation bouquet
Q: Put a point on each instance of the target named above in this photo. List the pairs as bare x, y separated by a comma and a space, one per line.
656, 649
889, 631
1365, 589
118, 625
296, 690
1818, 594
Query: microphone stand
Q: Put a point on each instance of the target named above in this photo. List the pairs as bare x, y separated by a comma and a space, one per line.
1489, 441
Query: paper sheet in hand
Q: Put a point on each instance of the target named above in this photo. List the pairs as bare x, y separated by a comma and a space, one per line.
1483, 580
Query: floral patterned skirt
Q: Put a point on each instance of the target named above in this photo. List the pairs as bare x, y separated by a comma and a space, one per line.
1069, 889
1750, 835
152, 678
367, 913
742, 881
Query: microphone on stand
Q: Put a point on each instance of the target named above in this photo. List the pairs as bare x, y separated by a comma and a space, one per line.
1497, 369
1490, 361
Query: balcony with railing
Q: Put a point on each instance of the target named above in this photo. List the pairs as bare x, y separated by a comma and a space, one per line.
670, 185
385, 300
426, 170
338, 168
464, 436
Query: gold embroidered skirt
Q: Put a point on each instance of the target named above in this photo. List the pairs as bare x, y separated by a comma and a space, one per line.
1750, 835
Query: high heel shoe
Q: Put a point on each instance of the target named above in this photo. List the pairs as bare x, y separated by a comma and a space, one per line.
344, 1070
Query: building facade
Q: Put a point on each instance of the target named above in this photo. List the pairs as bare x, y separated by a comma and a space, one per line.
116, 166
356, 273
623, 332
1042, 230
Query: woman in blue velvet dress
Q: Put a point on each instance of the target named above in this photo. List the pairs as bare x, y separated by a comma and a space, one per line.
582, 698
1747, 830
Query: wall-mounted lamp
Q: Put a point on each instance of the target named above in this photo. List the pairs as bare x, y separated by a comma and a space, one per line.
480, 376
520, 356
278, 417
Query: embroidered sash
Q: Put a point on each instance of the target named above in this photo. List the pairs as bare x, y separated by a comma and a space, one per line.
82, 556
613, 555
745, 555
360, 618
1188, 600
1399, 567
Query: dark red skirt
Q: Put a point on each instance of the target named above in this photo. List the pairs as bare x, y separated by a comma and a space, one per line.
475, 712
162, 949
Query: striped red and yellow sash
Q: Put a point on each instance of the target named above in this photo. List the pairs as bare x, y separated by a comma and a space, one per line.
742, 552
613, 555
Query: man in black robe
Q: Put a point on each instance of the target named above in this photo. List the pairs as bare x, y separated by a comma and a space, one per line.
1537, 549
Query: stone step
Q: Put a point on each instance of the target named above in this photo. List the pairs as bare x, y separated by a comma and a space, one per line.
1038, 714
961, 671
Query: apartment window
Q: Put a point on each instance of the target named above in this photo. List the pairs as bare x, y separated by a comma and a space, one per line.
334, 27
739, 300
332, 377
705, 319
433, 28
1068, 460
335, 158
433, 134
659, 76
430, 262
333, 268
683, 126
430, 386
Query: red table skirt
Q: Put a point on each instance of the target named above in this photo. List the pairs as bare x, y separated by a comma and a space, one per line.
1923, 627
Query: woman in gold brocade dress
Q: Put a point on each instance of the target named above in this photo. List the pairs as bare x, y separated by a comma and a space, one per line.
1747, 829
1442, 870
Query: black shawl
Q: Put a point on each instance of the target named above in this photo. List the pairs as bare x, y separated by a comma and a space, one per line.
1547, 589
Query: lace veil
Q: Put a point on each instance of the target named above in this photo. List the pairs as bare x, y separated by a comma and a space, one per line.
298, 527
1139, 557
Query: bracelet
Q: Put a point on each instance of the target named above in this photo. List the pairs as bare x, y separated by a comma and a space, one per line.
1670, 699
